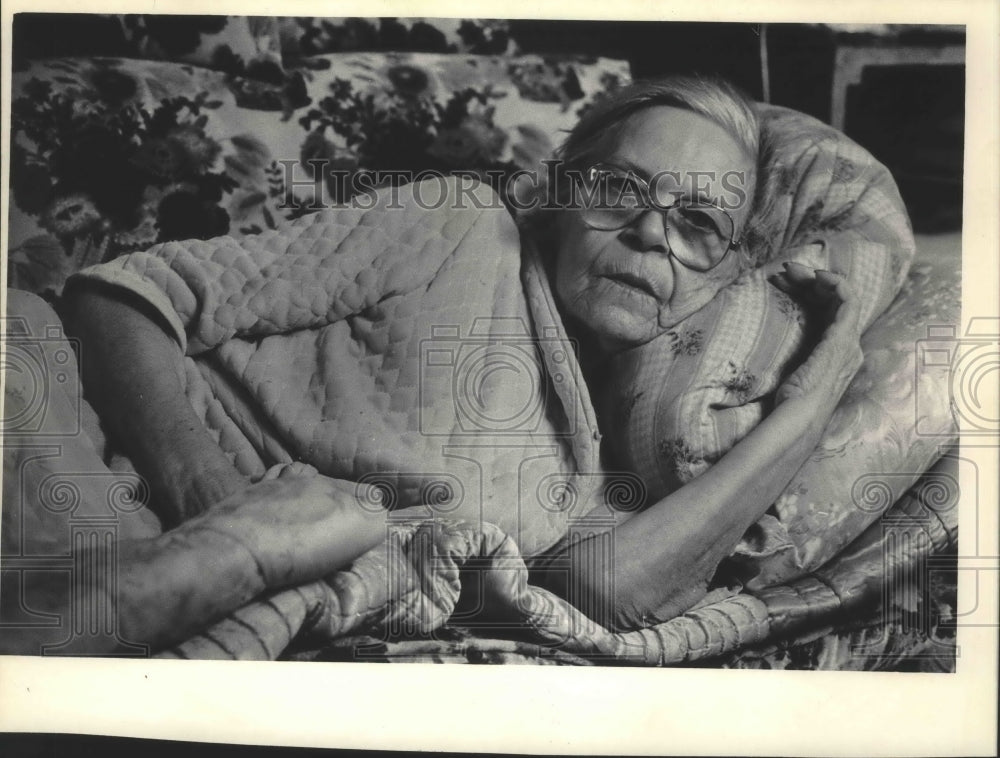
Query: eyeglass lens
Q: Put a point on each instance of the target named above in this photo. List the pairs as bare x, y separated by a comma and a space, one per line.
699, 234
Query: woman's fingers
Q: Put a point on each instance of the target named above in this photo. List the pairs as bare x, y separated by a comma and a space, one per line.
836, 358
295, 468
798, 272
808, 283
297, 528
782, 282
806, 277
828, 279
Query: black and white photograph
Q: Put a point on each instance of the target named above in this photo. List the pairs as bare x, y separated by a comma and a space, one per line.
604, 344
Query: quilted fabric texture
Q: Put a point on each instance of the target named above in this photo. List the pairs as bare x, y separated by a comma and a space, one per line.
389, 345
689, 395
392, 603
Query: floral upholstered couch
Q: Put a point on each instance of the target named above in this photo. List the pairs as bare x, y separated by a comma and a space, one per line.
111, 155
199, 127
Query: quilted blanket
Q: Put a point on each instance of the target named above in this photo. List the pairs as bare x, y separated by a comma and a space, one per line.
394, 602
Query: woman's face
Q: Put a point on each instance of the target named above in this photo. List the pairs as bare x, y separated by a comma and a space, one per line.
624, 285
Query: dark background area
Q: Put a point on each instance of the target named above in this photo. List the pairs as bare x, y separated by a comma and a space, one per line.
911, 117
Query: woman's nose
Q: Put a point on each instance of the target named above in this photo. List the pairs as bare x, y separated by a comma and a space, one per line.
647, 233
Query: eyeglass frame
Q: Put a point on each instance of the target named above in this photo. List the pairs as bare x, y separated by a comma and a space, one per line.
651, 204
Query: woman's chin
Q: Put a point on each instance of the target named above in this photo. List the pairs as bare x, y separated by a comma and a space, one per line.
617, 329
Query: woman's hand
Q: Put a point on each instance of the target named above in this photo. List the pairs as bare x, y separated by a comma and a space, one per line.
283, 531
827, 372
295, 526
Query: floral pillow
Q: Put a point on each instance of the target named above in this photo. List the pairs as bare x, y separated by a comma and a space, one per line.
110, 156
239, 45
487, 114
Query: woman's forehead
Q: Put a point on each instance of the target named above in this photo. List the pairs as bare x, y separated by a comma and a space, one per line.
684, 151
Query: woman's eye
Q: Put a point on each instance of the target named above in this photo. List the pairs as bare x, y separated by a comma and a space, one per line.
616, 185
700, 220
623, 191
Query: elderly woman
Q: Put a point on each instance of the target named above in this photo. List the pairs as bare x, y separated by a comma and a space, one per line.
662, 202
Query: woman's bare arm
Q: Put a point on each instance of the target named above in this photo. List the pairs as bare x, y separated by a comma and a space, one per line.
665, 556
133, 374
227, 541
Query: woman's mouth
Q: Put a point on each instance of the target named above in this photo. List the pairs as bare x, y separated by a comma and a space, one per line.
632, 281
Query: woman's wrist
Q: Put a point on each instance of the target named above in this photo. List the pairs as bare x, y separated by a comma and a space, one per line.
807, 416
188, 488
188, 470
175, 584
273, 534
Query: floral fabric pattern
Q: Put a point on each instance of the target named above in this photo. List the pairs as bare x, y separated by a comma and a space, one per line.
103, 174
310, 36
111, 156
238, 45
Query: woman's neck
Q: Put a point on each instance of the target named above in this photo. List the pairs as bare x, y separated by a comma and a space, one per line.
595, 366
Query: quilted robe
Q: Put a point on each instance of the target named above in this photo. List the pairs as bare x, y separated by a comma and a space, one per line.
392, 345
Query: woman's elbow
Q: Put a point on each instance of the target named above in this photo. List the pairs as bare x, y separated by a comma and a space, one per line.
639, 587
619, 599
638, 607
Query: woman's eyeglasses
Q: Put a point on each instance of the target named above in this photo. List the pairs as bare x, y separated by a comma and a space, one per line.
700, 234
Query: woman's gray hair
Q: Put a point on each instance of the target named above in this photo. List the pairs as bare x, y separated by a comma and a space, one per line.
597, 133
